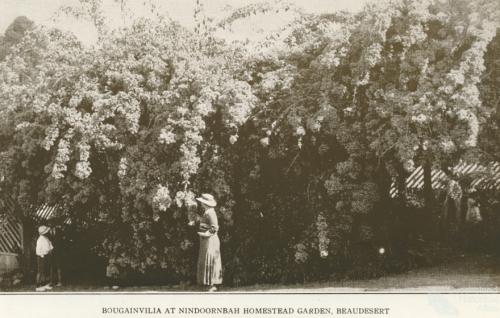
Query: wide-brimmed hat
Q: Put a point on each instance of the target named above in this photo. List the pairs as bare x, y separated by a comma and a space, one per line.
207, 199
43, 230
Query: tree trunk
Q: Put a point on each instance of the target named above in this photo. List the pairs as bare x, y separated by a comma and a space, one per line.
429, 225
27, 256
401, 182
383, 210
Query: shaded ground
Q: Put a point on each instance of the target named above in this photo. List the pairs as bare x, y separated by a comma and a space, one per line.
479, 273
472, 273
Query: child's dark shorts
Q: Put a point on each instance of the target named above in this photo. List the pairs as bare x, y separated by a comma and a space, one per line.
41, 264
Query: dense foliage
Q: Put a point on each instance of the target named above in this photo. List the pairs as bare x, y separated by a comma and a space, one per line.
298, 137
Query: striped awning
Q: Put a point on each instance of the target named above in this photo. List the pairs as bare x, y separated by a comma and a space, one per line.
488, 177
42, 213
46, 212
491, 179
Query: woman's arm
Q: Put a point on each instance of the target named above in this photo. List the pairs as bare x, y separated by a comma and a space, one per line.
213, 222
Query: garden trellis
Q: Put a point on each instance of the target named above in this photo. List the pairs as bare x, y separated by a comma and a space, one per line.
13, 240
11, 229
11, 236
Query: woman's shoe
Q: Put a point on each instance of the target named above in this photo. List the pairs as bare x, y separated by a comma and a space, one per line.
47, 287
40, 289
212, 289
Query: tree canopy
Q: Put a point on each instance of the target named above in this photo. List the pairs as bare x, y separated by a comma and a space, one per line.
14, 33
299, 136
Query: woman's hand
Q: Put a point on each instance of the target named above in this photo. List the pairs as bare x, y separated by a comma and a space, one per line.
205, 234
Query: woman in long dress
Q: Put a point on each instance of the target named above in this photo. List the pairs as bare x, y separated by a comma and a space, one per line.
209, 271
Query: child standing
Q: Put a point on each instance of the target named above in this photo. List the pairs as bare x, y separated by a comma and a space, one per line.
113, 274
43, 250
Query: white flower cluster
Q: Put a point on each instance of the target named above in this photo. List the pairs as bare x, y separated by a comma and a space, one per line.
301, 254
300, 131
122, 168
323, 235
420, 119
282, 78
364, 80
330, 59
314, 123
456, 77
233, 139
454, 190
409, 165
204, 103
349, 111
473, 123
62, 157
188, 199
185, 198
416, 34
166, 137
372, 54
467, 97
462, 81
129, 108
330, 29
22, 125
264, 141
472, 64
269, 81
190, 160
448, 146
51, 134
161, 199
74, 101
82, 169
336, 50
240, 100
425, 145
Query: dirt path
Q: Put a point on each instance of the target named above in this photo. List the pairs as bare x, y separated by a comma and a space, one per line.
471, 273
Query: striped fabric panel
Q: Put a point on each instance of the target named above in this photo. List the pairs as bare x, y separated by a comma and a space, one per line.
439, 180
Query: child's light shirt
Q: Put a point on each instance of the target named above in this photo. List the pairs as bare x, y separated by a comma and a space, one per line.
43, 246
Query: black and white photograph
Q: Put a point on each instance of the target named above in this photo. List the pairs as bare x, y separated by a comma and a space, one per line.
250, 147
